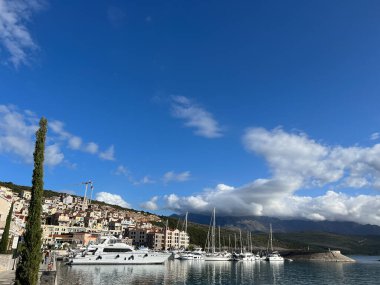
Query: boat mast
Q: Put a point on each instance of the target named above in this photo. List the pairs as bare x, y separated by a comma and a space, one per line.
241, 243
220, 249
271, 242
248, 245
213, 233
250, 241
235, 241
186, 222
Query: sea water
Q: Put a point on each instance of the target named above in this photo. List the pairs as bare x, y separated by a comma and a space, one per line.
365, 271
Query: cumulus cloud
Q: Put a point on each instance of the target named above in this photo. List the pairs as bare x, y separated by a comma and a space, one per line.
14, 35
221, 187
17, 136
195, 117
151, 204
297, 163
112, 199
91, 147
108, 154
171, 176
53, 155
76, 143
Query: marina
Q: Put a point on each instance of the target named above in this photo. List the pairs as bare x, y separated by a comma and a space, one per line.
364, 271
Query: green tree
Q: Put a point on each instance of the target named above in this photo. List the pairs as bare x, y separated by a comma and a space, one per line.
5, 237
31, 255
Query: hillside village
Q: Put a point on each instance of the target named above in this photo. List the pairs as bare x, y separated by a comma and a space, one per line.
72, 220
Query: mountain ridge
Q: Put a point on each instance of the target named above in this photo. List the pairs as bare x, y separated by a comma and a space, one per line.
261, 224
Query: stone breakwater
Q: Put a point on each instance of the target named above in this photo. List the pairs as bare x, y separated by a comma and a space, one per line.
328, 256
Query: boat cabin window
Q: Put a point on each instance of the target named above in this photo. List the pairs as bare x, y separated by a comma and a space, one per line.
115, 249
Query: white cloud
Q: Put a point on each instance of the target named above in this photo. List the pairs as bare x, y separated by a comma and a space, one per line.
17, 136
121, 170
147, 180
171, 176
75, 142
221, 187
375, 136
297, 163
58, 127
53, 154
14, 35
151, 204
91, 147
195, 117
108, 154
112, 199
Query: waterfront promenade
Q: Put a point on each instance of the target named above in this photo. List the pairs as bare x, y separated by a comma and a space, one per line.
46, 276
7, 277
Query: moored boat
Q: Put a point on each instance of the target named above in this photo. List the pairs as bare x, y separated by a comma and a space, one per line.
273, 255
113, 251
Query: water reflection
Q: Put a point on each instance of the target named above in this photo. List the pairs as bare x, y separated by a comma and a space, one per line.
201, 272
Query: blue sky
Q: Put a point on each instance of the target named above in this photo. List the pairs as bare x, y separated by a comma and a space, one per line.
255, 107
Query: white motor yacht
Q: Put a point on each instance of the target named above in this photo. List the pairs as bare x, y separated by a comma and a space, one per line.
114, 251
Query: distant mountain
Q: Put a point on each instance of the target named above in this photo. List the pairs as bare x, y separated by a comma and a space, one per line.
261, 224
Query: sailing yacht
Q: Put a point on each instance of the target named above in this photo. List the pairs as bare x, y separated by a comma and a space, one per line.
273, 255
247, 255
213, 255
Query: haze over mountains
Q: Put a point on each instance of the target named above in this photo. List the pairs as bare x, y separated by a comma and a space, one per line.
261, 224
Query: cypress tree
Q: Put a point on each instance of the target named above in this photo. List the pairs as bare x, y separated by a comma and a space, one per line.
31, 255
5, 237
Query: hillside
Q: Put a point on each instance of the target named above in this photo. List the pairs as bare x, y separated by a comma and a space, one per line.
50, 193
287, 236
308, 241
261, 224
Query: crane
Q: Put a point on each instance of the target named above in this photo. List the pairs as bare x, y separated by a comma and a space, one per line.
87, 183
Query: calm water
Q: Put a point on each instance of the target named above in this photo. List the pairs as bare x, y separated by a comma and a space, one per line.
365, 271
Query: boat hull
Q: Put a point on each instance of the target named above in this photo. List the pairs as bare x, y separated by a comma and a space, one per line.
120, 259
217, 258
275, 259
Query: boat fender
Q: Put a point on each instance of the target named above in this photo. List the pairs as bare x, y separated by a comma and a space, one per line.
117, 256
99, 257
131, 257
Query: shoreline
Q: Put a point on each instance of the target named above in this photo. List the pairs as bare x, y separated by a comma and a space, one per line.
327, 256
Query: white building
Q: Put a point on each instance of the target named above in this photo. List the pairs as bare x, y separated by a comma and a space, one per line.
175, 239
68, 200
